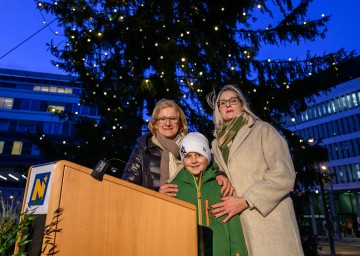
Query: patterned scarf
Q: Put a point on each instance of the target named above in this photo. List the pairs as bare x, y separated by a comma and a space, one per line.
228, 133
170, 162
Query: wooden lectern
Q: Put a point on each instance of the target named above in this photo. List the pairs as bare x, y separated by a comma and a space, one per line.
85, 216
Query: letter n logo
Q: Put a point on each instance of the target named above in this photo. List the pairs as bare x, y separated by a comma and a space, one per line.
39, 188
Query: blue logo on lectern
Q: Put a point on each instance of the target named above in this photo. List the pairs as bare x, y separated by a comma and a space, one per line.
39, 187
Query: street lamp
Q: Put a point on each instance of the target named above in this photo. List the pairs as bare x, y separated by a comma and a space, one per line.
328, 225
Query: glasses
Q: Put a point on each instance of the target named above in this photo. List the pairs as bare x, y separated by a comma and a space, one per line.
171, 119
231, 101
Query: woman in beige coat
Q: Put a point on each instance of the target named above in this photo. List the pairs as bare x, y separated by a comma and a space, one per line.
256, 158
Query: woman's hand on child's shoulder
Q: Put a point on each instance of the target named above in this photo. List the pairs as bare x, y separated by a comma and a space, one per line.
169, 189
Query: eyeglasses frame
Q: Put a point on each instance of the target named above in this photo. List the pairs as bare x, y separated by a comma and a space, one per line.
228, 102
171, 119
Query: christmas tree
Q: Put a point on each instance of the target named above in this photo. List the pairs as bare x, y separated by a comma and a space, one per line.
129, 54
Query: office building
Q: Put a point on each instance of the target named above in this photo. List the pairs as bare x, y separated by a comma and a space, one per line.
333, 119
30, 101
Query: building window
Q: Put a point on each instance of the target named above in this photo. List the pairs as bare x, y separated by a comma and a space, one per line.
314, 112
2, 143
6, 103
340, 126
307, 133
345, 148
35, 150
79, 110
333, 107
357, 146
354, 100
356, 168
55, 108
351, 173
329, 149
323, 108
27, 104
321, 131
52, 128
348, 100
339, 104
324, 130
357, 122
341, 174
335, 130
351, 148
53, 89
25, 126
344, 102
17, 148
335, 151
4, 124
329, 107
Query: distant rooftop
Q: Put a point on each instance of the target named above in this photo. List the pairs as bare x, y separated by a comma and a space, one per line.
32, 74
336, 91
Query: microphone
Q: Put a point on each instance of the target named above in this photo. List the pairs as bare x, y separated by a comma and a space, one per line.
102, 166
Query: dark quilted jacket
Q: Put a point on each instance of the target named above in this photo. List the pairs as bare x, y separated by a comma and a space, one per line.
143, 167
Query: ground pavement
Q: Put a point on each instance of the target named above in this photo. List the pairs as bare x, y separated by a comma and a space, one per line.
347, 246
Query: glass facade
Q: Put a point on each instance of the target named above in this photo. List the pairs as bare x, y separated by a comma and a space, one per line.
333, 119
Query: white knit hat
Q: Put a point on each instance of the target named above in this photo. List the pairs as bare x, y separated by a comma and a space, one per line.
195, 142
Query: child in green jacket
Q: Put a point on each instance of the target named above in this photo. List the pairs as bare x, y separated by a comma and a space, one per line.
197, 185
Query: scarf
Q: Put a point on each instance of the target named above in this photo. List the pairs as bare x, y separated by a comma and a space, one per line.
228, 133
169, 163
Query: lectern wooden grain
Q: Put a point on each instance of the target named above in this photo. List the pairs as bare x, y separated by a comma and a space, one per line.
85, 216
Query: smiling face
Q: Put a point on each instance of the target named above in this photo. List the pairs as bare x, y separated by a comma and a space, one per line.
229, 111
168, 127
195, 163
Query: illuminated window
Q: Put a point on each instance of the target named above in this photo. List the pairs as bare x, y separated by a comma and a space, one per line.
17, 148
356, 168
68, 90
354, 100
6, 103
53, 89
348, 101
61, 90
332, 103
2, 143
55, 108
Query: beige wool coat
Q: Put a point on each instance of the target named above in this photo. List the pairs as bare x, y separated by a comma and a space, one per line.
261, 169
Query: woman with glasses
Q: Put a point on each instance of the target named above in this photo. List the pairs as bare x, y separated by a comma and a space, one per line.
155, 158
256, 158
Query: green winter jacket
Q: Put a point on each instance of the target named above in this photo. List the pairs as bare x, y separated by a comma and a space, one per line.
215, 238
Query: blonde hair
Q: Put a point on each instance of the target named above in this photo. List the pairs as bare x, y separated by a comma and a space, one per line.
213, 100
164, 103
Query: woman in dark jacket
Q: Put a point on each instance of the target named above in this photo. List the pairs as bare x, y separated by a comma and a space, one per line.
155, 158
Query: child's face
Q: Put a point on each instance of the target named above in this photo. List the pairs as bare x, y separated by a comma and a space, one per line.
195, 163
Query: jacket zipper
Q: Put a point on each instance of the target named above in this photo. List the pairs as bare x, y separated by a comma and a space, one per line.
199, 204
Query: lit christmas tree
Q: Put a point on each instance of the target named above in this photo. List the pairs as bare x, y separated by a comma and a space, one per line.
129, 54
